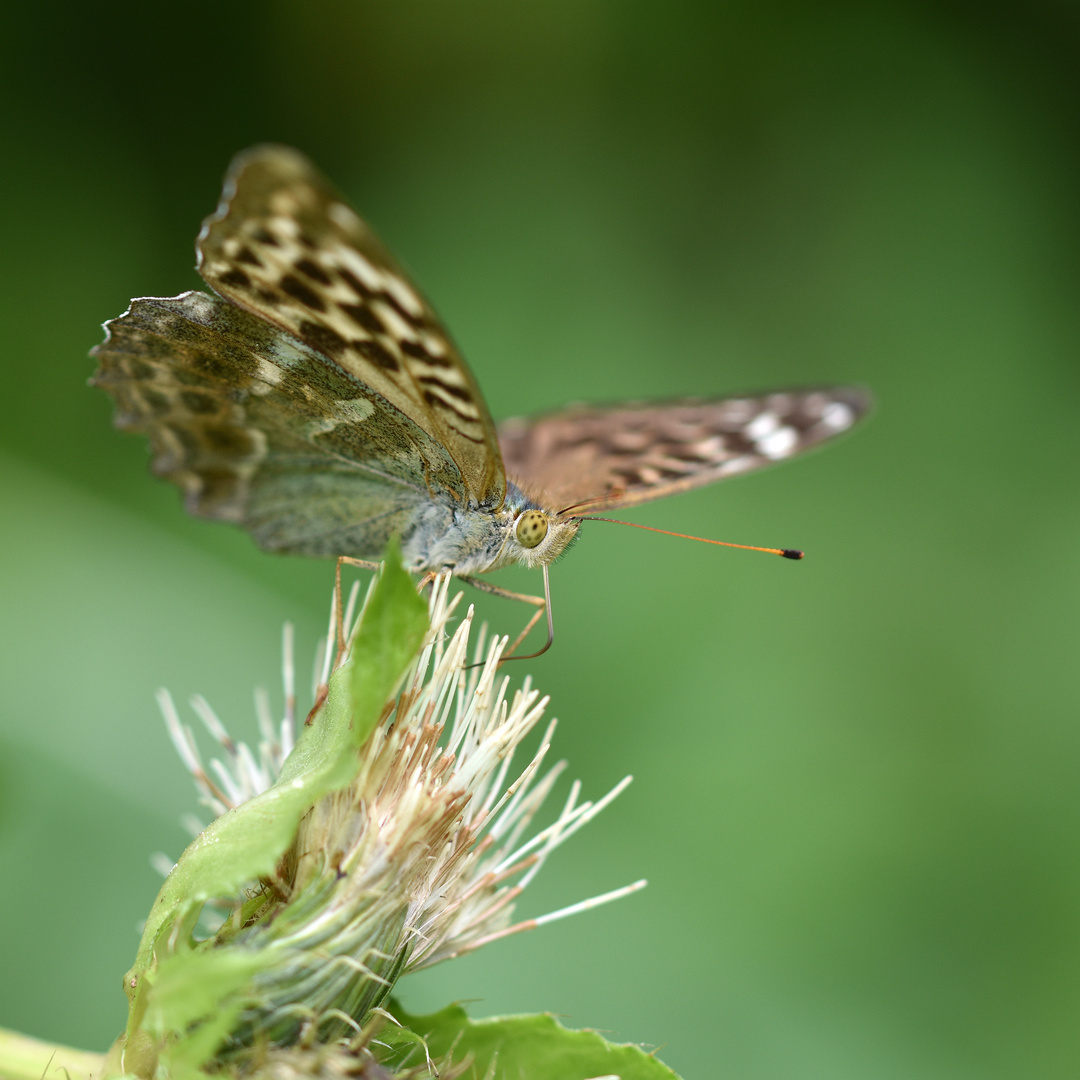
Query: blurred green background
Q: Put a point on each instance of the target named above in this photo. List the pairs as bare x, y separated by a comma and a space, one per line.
857, 793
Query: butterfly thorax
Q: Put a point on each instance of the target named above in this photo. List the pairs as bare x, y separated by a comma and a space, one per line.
474, 540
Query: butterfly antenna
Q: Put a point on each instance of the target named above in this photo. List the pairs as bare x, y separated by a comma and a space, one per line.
785, 553
608, 495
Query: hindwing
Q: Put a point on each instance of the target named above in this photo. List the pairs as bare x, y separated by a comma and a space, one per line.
260, 429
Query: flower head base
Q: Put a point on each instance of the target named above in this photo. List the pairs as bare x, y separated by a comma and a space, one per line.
419, 857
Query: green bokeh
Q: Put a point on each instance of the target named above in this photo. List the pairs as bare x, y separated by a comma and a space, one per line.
858, 777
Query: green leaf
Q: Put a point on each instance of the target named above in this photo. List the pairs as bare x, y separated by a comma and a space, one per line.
183, 1059
189, 986
511, 1047
246, 843
394, 625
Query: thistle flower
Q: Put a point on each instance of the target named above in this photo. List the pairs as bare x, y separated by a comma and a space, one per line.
420, 857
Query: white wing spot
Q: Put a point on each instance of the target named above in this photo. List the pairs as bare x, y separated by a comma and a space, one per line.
360, 266
268, 373
401, 292
353, 410
462, 408
393, 322
708, 449
778, 443
739, 464
314, 428
673, 464
283, 205
285, 228
202, 305
433, 344
763, 424
344, 217
445, 376
258, 439
288, 354
173, 453
190, 483
837, 415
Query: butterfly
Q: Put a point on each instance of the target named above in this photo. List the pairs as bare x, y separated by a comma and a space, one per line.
314, 398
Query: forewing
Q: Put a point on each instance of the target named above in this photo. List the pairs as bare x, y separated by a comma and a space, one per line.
285, 246
621, 455
260, 429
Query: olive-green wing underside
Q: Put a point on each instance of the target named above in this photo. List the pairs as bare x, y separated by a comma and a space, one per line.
260, 429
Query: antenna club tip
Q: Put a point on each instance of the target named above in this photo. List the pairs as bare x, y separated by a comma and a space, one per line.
792, 553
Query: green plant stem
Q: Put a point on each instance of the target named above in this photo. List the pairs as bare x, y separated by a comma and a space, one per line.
23, 1058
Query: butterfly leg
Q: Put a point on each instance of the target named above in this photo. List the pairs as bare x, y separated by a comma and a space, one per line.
339, 615
542, 603
338, 605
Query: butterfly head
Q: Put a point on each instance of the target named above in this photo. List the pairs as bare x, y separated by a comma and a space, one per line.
537, 537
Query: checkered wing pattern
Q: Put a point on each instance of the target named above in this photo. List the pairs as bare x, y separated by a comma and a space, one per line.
284, 246
606, 458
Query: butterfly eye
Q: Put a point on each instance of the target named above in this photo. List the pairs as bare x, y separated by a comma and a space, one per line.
531, 528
